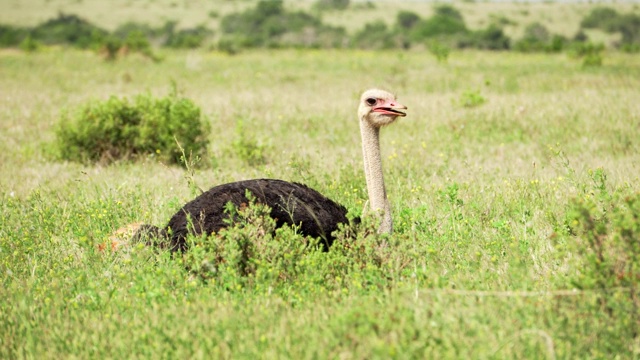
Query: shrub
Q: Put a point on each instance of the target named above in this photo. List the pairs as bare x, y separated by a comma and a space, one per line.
446, 25
406, 20
185, 38
270, 25
136, 41
29, 44
374, 35
471, 98
599, 18
119, 129
252, 254
609, 20
629, 26
249, 250
536, 37
605, 235
247, 148
12, 36
332, 4
139, 30
590, 53
491, 38
440, 51
71, 30
444, 22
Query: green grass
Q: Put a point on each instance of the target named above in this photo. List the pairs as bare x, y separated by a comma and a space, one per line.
481, 264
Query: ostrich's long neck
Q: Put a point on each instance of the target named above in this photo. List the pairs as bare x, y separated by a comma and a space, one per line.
373, 173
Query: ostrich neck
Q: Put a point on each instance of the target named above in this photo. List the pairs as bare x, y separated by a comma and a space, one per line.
373, 173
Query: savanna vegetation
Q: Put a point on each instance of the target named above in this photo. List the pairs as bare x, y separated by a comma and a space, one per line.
513, 184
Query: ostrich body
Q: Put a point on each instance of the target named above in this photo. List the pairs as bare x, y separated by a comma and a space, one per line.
292, 203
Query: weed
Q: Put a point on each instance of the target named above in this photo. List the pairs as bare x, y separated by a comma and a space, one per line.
440, 51
247, 148
605, 229
471, 98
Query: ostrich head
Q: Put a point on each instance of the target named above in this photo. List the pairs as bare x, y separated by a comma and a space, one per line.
379, 108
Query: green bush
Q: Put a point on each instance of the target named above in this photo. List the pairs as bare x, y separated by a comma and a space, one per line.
491, 38
599, 18
270, 25
29, 44
406, 20
12, 36
70, 30
120, 129
252, 254
185, 38
471, 98
446, 25
609, 20
247, 148
331, 4
590, 53
537, 38
446, 21
604, 230
375, 35
440, 51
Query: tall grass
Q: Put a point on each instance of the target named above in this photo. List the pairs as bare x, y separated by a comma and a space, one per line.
485, 261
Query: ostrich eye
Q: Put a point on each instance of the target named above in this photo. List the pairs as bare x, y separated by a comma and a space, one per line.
371, 101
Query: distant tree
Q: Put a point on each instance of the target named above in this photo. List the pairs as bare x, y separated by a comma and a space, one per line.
599, 18
270, 24
491, 38
445, 22
406, 20
374, 35
69, 29
332, 4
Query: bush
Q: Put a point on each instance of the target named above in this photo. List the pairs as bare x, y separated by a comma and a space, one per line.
446, 26
29, 44
12, 36
332, 4
440, 51
491, 38
119, 129
605, 235
447, 21
471, 98
609, 20
591, 54
270, 25
375, 35
186, 38
538, 38
406, 20
629, 26
247, 148
600, 18
71, 30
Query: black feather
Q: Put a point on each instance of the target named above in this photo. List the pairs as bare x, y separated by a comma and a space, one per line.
291, 204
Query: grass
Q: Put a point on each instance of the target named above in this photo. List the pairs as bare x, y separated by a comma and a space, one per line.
481, 264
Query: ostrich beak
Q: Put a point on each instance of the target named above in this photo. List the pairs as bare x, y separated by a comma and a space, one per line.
390, 107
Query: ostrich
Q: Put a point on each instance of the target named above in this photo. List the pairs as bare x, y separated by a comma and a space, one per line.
291, 203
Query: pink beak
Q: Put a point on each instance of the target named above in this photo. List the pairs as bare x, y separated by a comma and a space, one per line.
390, 107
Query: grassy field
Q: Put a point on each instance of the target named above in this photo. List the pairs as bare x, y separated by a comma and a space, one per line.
492, 256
